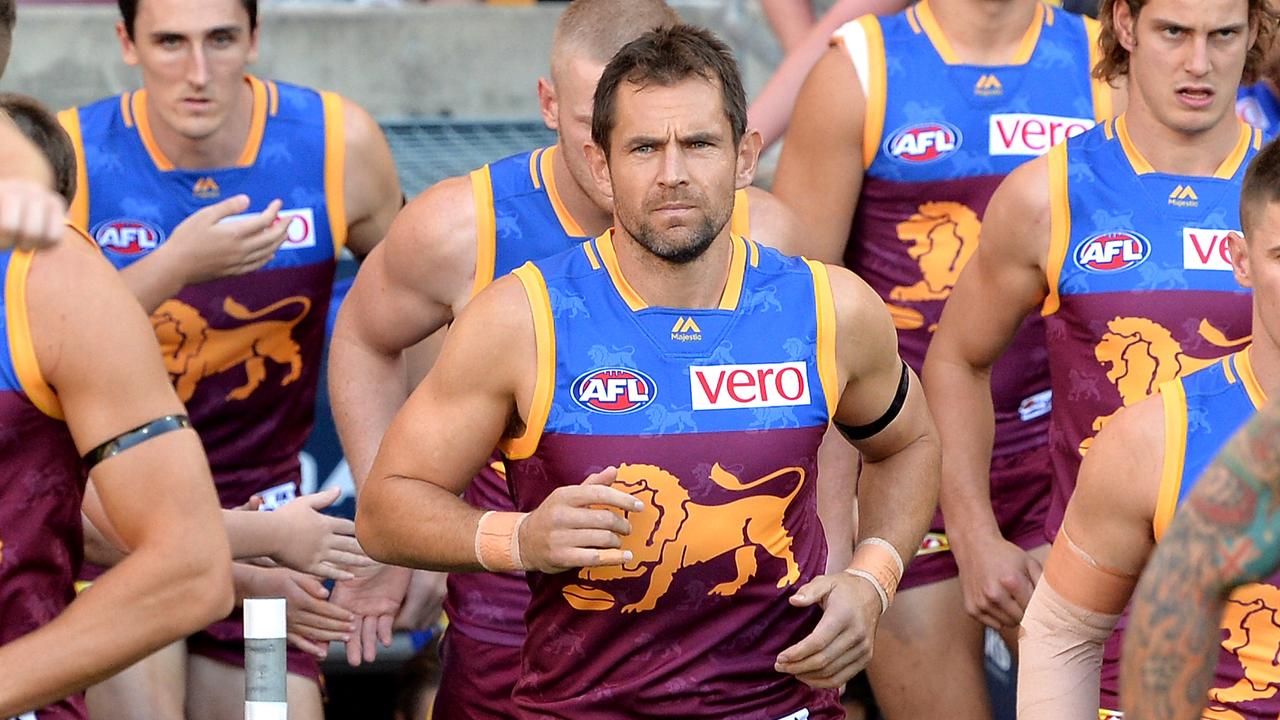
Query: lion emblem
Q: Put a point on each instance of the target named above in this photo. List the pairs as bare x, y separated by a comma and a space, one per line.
943, 236
1251, 621
1140, 354
194, 351
673, 532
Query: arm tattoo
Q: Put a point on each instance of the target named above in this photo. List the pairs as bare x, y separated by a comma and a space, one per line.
1226, 534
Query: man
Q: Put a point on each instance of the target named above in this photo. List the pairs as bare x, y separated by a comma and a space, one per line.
670, 615
238, 302
78, 394
447, 244
30, 215
902, 133
1160, 446
1118, 237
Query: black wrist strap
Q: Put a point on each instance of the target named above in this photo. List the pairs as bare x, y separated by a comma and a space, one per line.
862, 432
135, 437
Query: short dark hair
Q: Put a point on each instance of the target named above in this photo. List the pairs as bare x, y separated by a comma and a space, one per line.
46, 133
129, 11
1261, 186
1115, 58
665, 57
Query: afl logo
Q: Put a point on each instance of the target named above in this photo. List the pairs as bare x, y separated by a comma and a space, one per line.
127, 237
1112, 252
924, 143
614, 390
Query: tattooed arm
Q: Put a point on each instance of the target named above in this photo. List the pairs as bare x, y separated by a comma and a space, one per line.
1225, 535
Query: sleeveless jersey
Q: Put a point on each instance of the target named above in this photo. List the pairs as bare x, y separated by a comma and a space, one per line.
939, 136
713, 417
40, 540
519, 217
1258, 106
1140, 283
243, 351
1202, 411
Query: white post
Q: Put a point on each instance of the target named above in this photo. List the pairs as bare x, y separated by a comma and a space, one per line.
264, 659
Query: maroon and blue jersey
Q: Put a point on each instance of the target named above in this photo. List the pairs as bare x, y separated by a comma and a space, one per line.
1140, 283
939, 136
244, 351
713, 418
519, 217
41, 545
1202, 411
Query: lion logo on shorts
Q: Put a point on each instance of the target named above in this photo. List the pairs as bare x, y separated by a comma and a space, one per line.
194, 351
1252, 625
943, 237
1140, 354
673, 533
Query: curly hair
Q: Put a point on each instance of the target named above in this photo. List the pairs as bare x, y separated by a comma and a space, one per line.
1115, 58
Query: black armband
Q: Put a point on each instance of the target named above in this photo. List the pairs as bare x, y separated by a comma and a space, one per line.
134, 437
862, 432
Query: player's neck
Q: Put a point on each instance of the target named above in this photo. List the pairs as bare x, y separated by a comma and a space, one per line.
696, 284
1264, 356
984, 32
590, 217
221, 149
1175, 152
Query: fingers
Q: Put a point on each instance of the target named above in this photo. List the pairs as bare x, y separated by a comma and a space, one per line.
302, 619
1000, 609
814, 591
1034, 571
385, 623
1020, 589
600, 495
838, 672
55, 215
369, 638
344, 527
595, 519
323, 499
313, 649
355, 646
233, 205
604, 477
329, 571
31, 216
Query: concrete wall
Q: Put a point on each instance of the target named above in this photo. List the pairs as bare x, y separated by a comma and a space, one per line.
466, 61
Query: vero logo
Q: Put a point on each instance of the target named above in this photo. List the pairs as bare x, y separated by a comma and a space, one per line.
1205, 249
727, 387
1031, 135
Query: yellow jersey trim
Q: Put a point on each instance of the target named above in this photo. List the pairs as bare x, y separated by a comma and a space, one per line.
1059, 227
913, 21
486, 229
1109, 129
826, 306
753, 253
1136, 160
1032, 36
740, 221
1103, 109
335, 169
1174, 397
126, 109
933, 30
21, 346
877, 90
591, 255
1244, 365
571, 226
1233, 162
273, 98
248, 154
535, 287
604, 246
533, 168
737, 275
78, 213
729, 298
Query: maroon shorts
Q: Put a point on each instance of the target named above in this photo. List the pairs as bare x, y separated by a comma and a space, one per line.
1020, 501
476, 679
223, 641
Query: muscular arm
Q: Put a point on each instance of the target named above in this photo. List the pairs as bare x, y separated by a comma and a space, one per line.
1110, 523
370, 186
1001, 285
405, 291
1223, 536
158, 495
771, 111
790, 21
820, 173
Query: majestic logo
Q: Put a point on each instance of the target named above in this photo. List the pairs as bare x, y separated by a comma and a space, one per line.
1184, 196
924, 143
1112, 252
206, 188
988, 86
127, 237
301, 232
1139, 355
670, 534
686, 330
614, 390
1029, 134
731, 387
1205, 249
942, 237
194, 351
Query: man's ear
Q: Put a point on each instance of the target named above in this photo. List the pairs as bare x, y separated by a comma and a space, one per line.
599, 165
548, 104
1239, 259
748, 158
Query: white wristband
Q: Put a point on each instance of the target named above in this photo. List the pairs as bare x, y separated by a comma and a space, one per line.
884, 597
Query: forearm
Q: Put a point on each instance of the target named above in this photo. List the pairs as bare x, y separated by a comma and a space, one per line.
252, 534
897, 496
440, 535
790, 20
153, 279
151, 598
959, 397
97, 548
366, 388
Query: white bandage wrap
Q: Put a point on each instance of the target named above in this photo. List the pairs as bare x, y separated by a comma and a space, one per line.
878, 562
1060, 649
497, 542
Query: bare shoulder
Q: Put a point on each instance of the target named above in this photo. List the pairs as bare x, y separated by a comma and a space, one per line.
773, 222
361, 131
1131, 447
493, 341
432, 242
1018, 218
865, 337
